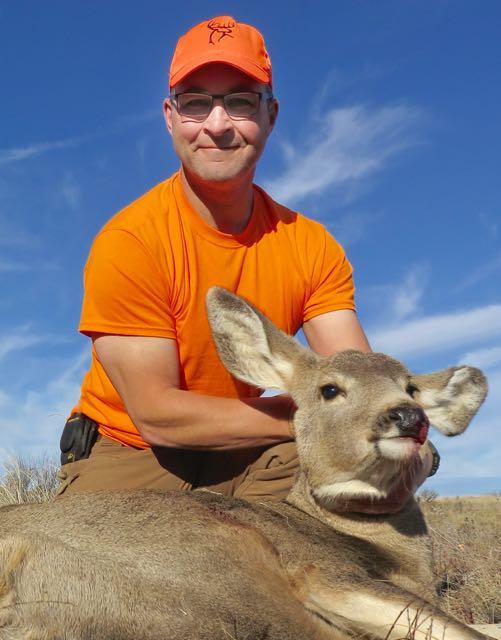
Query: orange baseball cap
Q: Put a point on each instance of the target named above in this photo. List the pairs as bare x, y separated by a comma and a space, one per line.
221, 39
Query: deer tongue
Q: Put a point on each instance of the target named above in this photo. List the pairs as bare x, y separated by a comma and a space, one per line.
422, 434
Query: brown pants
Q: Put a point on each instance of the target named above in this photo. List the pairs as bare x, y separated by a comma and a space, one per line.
258, 474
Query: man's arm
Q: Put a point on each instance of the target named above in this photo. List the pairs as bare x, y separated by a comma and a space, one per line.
145, 373
336, 331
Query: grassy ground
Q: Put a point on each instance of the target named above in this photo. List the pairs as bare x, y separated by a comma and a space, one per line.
27, 481
465, 534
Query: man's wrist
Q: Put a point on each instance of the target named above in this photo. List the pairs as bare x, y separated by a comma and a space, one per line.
436, 459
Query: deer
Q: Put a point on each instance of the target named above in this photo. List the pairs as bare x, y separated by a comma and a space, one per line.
144, 565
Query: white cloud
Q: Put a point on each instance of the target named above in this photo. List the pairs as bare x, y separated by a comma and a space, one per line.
13, 236
31, 421
16, 154
482, 358
490, 223
407, 296
347, 145
397, 301
438, 333
13, 266
351, 227
19, 339
481, 273
70, 192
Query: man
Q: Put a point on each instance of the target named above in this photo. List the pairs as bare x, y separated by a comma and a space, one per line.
169, 415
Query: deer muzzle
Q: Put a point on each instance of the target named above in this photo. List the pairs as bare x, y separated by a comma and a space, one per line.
411, 422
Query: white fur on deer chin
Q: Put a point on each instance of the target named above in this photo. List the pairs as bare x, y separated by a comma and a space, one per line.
398, 448
329, 494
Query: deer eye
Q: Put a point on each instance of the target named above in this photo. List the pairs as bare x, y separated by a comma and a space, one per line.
411, 390
329, 391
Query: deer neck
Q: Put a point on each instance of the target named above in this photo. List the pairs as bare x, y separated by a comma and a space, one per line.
377, 529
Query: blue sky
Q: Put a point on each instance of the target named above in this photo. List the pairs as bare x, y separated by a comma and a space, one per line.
389, 133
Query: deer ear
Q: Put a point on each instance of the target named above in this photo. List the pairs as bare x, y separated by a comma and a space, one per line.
249, 345
451, 397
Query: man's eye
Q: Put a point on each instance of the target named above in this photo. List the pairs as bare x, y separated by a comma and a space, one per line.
329, 391
239, 101
243, 104
411, 390
193, 103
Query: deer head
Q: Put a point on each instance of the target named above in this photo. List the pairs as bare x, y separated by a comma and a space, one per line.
361, 418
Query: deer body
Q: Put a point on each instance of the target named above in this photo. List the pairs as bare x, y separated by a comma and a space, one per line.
92, 580
144, 565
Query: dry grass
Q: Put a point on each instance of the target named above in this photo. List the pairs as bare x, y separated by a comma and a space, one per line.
466, 535
27, 481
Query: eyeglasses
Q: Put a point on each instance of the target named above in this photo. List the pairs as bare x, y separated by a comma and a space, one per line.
198, 106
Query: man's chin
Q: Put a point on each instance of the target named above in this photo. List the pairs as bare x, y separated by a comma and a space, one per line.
220, 173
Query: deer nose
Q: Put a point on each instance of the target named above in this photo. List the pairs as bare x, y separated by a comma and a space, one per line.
409, 420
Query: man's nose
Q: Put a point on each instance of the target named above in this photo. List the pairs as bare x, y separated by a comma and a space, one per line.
218, 122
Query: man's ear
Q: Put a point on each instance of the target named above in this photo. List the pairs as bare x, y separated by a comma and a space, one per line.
249, 345
167, 106
273, 110
451, 397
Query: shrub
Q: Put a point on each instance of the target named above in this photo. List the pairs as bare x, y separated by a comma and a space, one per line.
28, 480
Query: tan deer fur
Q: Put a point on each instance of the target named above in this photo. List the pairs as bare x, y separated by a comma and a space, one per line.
144, 565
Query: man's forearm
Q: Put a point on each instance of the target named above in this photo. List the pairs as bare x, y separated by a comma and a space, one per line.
188, 420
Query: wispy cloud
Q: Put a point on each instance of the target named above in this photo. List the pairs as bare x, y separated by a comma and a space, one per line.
14, 236
16, 154
69, 191
20, 338
352, 226
490, 223
18, 266
31, 421
482, 358
402, 299
407, 296
481, 273
433, 334
346, 145
31, 150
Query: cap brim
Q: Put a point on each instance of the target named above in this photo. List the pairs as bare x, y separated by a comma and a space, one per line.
249, 67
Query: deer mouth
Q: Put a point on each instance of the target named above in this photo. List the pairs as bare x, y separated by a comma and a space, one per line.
403, 445
419, 435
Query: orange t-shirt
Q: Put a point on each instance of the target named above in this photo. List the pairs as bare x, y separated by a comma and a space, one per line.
151, 265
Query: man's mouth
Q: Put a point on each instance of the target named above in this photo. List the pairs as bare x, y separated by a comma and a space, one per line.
219, 148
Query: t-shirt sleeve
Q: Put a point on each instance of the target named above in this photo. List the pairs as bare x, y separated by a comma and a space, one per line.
331, 279
125, 291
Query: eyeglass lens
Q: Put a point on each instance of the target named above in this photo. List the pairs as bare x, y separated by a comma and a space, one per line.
198, 105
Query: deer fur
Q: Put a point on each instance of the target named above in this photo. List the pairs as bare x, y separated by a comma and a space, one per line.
144, 565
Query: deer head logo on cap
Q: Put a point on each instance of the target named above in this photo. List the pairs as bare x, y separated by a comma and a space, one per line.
222, 26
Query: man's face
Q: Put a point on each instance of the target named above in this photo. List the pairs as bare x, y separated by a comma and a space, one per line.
220, 148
